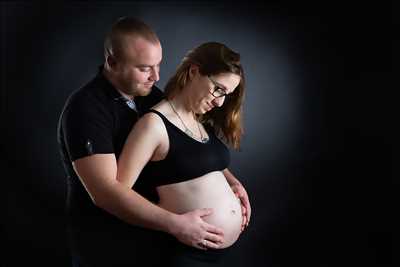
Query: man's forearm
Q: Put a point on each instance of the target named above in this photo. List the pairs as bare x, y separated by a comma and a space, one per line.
134, 209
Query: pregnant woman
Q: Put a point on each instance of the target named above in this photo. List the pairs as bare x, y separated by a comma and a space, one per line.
180, 146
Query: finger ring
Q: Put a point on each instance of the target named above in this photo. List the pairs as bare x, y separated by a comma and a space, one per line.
204, 242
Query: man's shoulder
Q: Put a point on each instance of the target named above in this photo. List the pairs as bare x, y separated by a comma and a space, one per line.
90, 92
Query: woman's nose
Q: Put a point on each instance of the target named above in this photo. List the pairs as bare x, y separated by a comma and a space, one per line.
218, 101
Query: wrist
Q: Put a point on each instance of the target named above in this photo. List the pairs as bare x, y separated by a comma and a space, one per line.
235, 183
232, 180
172, 222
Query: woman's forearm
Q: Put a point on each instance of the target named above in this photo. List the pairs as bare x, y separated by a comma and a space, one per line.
232, 180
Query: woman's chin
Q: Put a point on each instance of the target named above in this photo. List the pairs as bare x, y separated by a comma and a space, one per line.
201, 111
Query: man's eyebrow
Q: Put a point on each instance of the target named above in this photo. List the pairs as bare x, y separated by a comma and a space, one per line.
147, 66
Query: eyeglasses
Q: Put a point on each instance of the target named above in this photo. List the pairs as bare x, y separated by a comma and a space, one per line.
218, 90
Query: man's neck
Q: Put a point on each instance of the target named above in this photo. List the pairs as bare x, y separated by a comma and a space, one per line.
129, 97
114, 83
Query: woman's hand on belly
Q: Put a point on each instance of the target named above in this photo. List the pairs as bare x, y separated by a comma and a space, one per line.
241, 194
228, 216
190, 229
209, 191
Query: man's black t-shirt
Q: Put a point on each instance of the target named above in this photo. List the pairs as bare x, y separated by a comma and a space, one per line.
97, 119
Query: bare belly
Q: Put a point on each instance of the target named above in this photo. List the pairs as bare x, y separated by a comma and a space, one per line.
208, 191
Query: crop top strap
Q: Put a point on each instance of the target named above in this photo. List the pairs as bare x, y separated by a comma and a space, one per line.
159, 114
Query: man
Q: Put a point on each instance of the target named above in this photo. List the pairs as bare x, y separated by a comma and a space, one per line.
103, 213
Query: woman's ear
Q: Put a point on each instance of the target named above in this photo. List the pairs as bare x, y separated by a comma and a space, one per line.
193, 70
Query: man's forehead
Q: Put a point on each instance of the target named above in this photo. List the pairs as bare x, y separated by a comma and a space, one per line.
142, 52
138, 43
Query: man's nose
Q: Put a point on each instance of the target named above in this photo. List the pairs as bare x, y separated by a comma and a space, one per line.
155, 74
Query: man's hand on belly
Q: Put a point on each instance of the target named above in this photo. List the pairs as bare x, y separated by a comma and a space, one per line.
190, 229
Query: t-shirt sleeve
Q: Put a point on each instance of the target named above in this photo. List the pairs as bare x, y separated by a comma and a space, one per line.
87, 128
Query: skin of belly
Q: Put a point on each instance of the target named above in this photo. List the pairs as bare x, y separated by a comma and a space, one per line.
208, 191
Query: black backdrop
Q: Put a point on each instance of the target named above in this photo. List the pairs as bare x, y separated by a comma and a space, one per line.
316, 157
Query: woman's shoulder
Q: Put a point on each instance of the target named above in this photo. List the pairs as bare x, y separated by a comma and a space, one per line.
161, 110
161, 107
150, 119
156, 117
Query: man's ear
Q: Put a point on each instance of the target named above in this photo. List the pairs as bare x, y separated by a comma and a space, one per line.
111, 62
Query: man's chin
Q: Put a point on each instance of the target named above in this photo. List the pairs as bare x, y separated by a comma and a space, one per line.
148, 85
144, 91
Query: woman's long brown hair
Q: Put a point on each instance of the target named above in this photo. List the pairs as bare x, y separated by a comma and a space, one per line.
212, 59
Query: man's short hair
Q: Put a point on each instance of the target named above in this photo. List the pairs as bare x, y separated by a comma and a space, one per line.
126, 26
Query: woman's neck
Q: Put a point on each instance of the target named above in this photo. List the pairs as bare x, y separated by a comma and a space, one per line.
182, 105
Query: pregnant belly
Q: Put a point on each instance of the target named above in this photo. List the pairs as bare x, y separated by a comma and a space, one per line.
208, 191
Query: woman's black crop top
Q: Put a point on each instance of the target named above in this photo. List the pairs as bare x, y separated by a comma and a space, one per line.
187, 158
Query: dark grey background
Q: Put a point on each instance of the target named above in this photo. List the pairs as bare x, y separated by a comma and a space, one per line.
316, 158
